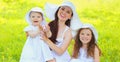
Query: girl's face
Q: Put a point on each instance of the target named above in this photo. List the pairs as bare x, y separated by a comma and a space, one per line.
85, 36
64, 13
36, 18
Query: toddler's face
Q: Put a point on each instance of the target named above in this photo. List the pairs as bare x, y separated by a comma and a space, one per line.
85, 36
36, 18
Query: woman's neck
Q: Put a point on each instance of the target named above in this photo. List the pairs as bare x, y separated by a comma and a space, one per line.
61, 23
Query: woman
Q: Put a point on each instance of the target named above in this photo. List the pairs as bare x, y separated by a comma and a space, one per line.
64, 22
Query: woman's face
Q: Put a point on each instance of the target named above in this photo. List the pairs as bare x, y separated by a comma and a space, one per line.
85, 36
36, 18
64, 13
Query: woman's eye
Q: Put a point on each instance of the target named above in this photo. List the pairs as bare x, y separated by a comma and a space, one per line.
62, 8
68, 12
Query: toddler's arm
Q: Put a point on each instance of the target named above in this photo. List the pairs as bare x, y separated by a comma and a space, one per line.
32, 33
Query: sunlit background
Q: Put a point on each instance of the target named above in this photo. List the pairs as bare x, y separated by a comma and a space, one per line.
103, 14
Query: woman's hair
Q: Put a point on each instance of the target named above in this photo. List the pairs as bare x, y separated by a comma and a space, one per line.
90, 48
54, 26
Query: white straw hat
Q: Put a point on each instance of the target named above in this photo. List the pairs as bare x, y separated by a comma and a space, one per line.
50, 10
92, 28
35, 9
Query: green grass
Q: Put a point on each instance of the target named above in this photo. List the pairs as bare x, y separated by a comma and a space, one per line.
103, 14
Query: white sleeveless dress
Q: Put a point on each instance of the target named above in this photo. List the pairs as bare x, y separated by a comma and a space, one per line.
83, 57
65, 57
35, 50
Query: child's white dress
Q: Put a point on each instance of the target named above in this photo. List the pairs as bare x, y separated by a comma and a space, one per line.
35, 50
83, 57
65, 57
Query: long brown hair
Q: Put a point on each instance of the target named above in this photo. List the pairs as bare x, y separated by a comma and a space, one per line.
90, 48
54, 27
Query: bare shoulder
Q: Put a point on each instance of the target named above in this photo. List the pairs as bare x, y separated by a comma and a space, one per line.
96, 50
96, 54
68, 32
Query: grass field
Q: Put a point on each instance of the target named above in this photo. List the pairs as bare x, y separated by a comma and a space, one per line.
103, 14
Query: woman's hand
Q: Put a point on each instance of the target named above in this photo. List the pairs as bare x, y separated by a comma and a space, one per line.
43, 35
46, 28
47, 31
40, 27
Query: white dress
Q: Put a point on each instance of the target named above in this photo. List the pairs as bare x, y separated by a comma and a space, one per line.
35, 50
83, 57
65, 57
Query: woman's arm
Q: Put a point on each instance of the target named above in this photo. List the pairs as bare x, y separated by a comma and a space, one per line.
48, 33
96, 55
60, 50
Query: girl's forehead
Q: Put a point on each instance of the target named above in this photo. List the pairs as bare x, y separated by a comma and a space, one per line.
86, 29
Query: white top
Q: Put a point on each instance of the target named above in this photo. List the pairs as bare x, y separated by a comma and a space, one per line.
65, 57
35, 49
82, 57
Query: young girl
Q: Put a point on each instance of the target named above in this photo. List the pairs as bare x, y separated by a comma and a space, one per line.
85, 47
35, 50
